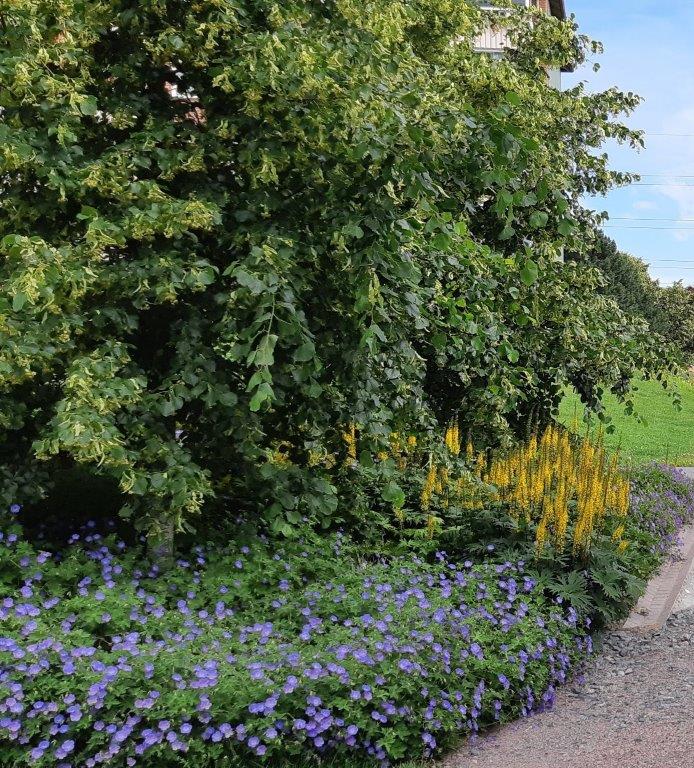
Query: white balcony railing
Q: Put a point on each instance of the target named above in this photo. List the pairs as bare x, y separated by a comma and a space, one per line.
495, 39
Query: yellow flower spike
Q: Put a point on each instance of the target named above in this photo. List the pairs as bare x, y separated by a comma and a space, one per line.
431, 526
411, 441
561, 518
618, 533
429, 485
469, 451
540, 537
452, 439
350, 437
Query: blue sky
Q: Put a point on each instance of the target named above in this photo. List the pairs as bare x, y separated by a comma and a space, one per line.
649, 50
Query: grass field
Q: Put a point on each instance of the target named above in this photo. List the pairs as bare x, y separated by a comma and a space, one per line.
666, 434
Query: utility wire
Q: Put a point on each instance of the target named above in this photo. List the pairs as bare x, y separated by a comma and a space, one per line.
651, 184
643, 218
659, 175
657, 229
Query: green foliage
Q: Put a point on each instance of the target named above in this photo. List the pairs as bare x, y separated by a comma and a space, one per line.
668, 310
677, 306
224, 225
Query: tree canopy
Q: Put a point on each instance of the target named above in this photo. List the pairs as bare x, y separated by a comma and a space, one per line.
232, 228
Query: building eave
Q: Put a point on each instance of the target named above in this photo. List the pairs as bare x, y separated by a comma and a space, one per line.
557, 8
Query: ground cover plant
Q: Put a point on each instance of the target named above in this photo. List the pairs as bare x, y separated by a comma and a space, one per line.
325, 646
252, 653
665, 434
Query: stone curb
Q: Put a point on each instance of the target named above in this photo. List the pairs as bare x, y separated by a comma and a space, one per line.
654, 607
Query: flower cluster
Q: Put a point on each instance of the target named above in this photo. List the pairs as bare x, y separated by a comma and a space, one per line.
247, 651
662, 503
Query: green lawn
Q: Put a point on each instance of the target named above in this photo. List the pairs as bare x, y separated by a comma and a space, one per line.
666, 434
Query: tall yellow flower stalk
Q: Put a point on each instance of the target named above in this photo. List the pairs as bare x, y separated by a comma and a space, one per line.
452, 438
429, 485
350, 438
569, 489
555, 482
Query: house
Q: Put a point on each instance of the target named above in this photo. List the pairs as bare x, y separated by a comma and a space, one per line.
494, 40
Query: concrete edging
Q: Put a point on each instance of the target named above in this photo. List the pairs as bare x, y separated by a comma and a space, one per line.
653, 609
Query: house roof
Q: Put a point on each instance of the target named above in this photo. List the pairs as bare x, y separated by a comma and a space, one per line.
557, 8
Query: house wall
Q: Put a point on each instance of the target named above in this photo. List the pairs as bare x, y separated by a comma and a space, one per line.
494, 40
554, 76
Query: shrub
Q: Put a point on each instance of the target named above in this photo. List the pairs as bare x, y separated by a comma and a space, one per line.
225, 226
250, 651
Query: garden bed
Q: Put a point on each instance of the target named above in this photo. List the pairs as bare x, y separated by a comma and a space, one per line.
268, 653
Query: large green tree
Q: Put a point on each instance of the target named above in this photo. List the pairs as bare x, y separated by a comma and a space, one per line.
232, 227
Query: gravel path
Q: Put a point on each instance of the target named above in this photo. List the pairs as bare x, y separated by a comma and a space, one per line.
636, 710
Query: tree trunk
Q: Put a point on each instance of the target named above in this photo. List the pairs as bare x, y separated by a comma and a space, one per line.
160, 542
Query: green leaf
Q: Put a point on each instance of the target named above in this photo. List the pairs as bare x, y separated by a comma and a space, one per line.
442, 241
249, 281
18, 301
264, 352
306, 352
88, 105
529, 272
394, 494
538, 219
228, 399
262, 395
366, 459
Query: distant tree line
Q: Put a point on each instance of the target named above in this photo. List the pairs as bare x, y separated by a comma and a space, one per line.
669, 310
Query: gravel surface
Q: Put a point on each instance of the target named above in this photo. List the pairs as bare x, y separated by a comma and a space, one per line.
636, 710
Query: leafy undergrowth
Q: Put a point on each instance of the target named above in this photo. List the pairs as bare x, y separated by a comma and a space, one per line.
604, 582
255, 655
309, 654
662, 503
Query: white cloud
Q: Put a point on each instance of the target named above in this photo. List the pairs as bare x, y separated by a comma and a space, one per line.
645, 205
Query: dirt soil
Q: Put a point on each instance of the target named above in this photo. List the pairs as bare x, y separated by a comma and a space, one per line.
636, 710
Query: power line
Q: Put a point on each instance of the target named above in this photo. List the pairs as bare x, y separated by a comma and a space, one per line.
643, 218
659, 175
652, 184
657, 229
